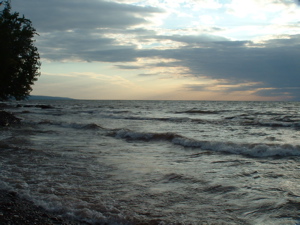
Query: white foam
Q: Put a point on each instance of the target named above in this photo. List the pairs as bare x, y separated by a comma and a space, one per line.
254, 150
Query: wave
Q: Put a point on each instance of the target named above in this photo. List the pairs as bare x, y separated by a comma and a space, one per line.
244, 120
280, 122
197, 111
91, 126
258, 150
293, 124
132, 135
41, 106
253, 150
165, 119
180, 178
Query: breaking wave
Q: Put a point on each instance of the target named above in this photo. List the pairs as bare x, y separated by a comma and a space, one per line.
88, 126
253, 150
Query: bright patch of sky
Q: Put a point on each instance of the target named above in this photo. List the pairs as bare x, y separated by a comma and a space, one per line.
238, 19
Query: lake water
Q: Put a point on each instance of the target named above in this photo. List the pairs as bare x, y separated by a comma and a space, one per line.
157, 162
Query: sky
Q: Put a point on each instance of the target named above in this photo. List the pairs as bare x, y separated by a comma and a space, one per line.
167, 49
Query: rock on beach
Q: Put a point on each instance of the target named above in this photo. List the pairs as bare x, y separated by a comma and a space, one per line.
7, 119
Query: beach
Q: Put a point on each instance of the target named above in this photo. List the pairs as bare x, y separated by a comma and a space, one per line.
15, 210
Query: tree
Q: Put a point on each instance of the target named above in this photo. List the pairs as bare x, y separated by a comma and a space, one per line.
19, 58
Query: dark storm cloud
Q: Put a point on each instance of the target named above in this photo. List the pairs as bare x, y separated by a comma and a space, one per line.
77, 14
272, 67
76, 45
120, 54
73, 29
274, 64
269, 65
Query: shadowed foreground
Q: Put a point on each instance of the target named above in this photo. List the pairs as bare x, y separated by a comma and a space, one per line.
15, 210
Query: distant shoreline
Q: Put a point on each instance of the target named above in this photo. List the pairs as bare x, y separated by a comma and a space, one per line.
42, 97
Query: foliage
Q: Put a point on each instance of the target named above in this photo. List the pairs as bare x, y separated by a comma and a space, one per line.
19, 58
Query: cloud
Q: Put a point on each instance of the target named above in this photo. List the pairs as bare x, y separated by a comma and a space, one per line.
128, 67
59, 15
97, 30
272, 65
107, 31
148, 74
258, 9
292, 93
59, 46
194, 39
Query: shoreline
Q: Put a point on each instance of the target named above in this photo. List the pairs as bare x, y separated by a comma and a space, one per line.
15, 209
18, 210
